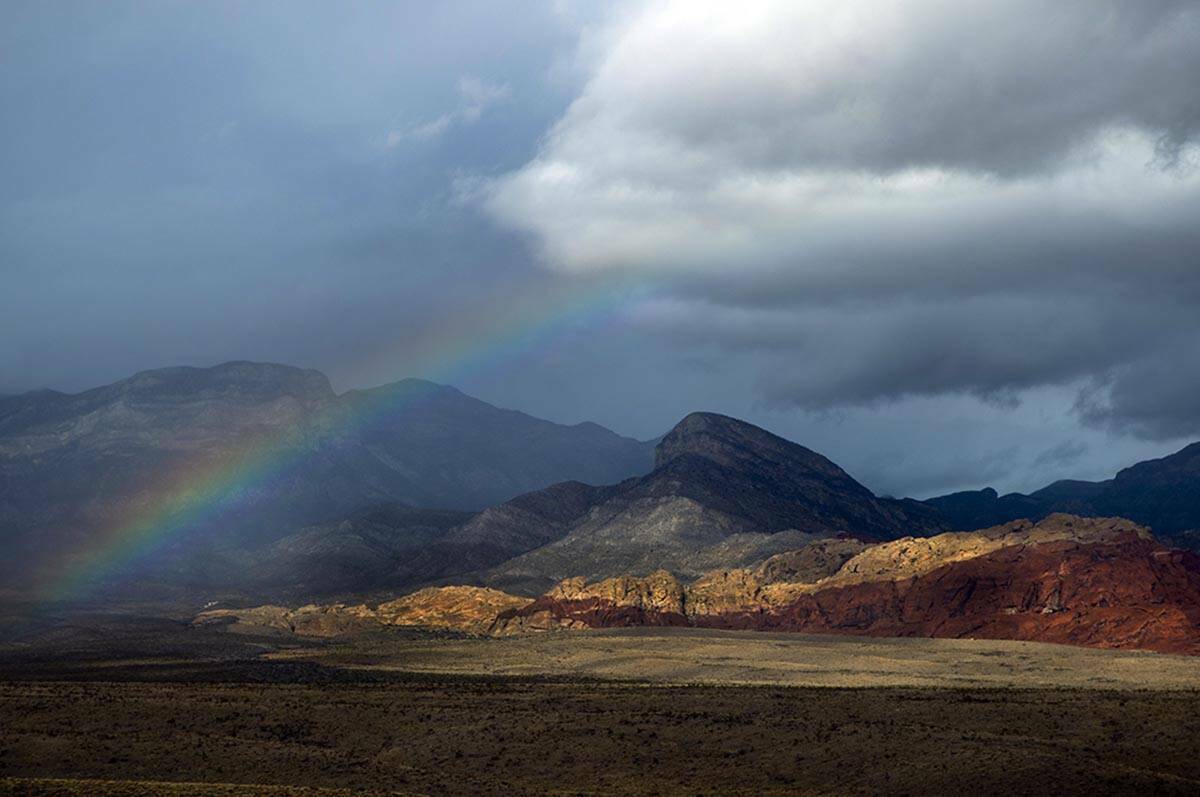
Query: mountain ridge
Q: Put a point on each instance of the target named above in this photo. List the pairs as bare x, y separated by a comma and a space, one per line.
724, 493
1096, 582
1161, 493
77, 465
337, 511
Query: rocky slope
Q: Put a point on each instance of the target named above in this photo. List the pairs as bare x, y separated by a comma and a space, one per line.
470, 610
1085, 581
282, 449
391, 547
375, 548
1125, 593
1095, 582
724, 493
1163, 494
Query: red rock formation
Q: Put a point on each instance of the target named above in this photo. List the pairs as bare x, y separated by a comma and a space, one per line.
656, 600
548, 613
1127, 592
1131, 593
1099, 582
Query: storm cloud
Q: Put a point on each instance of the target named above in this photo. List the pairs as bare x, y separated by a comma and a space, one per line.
883, 201
945, 244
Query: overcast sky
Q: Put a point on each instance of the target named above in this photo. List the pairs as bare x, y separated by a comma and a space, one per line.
946, 249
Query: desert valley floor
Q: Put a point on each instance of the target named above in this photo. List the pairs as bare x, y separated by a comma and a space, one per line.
117, 707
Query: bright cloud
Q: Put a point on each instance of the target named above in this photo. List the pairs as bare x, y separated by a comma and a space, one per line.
893, 199
475, 97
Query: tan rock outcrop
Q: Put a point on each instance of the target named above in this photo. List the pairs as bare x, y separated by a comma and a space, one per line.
914, 556
660, 591
745, 589
1101, 582
469, 610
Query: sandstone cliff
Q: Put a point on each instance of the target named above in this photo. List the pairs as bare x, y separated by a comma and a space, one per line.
1098, 582
470, 610
1101, 582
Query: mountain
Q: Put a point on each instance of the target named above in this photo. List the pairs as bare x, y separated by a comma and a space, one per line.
723, 493
1094, 582
455, 451
386, 548
1163, 494
249, 452
471, 610
1097, 582
374, 548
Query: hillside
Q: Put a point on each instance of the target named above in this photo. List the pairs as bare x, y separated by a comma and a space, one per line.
724, 493
1094, 582
250, 452
1163, 494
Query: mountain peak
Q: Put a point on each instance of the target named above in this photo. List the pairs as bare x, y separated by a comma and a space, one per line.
730, 442
238, 376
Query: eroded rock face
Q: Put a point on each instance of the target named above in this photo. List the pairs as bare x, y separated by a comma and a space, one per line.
914, 556
720, 492
1127, 593
748, 589
811, 563
657, 600
1097, 582
312, 620
660, 591
1100, 582
470, 610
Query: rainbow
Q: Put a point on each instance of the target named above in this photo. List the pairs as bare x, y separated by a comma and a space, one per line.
207, 490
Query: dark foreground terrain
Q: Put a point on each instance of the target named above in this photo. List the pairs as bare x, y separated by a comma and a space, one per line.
439, 735
156, 708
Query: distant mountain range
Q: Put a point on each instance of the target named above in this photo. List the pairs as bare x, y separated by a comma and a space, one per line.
1163, 494
1099, 582
282, 488
278, 447
723, 493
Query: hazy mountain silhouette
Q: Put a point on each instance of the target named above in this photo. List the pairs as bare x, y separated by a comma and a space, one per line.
1163, 494
251, 451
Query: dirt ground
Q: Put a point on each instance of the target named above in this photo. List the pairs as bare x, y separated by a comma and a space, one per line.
505, 736
688, 655
639, 712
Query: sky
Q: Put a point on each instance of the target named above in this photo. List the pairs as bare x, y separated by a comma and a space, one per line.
946, 249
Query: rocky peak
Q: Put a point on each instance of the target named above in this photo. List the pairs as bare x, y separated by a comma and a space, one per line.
660, 591
239, 378
1185, 461
740, 445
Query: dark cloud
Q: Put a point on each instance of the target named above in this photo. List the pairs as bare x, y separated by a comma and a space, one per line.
189, 184
905, 235
880, 203
1008, 88
1153, 397
1064, 454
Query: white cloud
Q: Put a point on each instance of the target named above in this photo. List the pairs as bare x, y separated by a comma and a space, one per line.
883, 170
707, 128
475, 97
